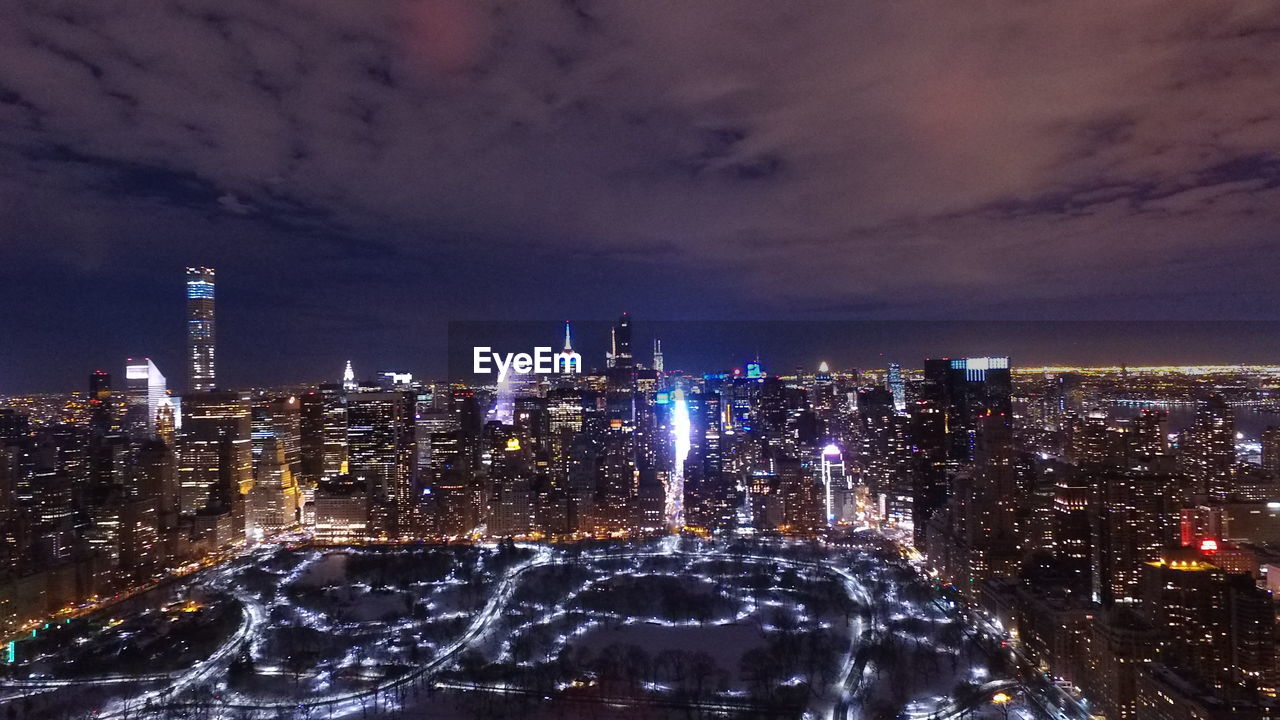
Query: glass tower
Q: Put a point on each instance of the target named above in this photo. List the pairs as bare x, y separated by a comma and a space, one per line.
146, 391
200, 329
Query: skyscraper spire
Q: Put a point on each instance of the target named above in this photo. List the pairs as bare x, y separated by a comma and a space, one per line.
348, 378
622, 342
657, 355
568, 344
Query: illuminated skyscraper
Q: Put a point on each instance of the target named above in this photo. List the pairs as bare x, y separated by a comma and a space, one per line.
99, 385
1271, 451
1209, 455
101, 413
275, 500
1135, 519
380, 441
894, 384
1219, 627
835, 484
620, 352
992, 508
278, 419
658, 364
215, 466
965, 389
349, 378
335, 430
200, 329
145, 391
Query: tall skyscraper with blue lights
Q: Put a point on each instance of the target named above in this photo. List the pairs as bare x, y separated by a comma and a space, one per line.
894, 383
200, 329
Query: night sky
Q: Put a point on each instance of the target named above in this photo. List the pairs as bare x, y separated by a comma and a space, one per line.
361, 173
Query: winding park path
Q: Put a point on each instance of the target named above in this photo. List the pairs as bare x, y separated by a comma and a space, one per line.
839, 700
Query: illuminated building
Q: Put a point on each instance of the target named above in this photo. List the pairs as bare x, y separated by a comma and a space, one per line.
437, 428
335, 451
1136, 520
323, 434
155, 481
380, 447
929, 487
1122, 646
201, 335
1150, 432
53, 537
620, 344
651, 490
215, 456
311, 437
658, 365
568, 341
965, 389
341, 509
709, 491
145, 392
530, 420
1209, 455
1095, 442
1253, 522
618, 482
899, 492
582, 483
279, 419
139, 536
992, 523
349, 378
835, 485
1219, 628
168, 421
1055, 630
274, 502
823, 392
884, 454
803, 505
512, 497
10, 512
564, 411
1165, 695
99, 386
389, 380
1271, 451
102, 418
895, 385
1073, 526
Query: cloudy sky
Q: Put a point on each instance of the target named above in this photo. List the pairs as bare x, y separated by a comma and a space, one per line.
360, 173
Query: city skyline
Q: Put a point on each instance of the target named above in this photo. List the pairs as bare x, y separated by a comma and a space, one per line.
1118, 528
661, 360
785, 346
1022, 164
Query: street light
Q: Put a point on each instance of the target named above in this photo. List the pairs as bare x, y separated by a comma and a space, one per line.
1001, 699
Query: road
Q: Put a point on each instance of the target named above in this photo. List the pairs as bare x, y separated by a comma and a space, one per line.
342, 703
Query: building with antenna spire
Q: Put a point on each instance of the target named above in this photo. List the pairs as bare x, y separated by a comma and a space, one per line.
348, 378
657, 356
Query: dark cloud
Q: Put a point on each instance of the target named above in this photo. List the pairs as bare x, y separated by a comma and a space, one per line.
373, 167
